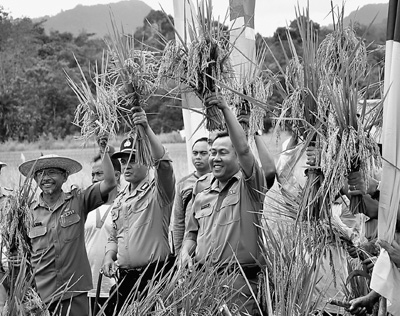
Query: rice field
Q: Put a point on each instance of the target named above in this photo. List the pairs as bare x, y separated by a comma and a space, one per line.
10, 176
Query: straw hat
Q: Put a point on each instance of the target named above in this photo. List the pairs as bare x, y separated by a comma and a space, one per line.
50, 161
125, 148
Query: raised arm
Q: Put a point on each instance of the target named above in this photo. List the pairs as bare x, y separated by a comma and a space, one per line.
109, 181
166, 179
236, 133
157, 149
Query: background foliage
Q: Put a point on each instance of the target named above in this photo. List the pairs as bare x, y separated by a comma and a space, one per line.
36, 101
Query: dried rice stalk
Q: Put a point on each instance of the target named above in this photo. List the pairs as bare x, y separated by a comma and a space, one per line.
347, 145
134, 73
97, 112
15, 219
201, 64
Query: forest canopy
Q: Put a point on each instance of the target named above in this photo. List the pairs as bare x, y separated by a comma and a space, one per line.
36, 101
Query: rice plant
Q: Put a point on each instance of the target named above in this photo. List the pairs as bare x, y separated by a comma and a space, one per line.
198, 66
15, 220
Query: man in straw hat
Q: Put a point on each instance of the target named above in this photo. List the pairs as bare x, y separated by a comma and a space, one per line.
141, 216
59, 259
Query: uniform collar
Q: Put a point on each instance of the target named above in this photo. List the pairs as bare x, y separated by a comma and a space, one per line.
142, 186
41, 203
215, 184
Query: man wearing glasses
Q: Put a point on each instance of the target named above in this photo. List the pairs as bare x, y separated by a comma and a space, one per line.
62, 272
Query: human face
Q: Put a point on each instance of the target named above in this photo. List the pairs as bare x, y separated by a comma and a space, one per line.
97, 172
133, 172
223, 159
200, 156
50, 180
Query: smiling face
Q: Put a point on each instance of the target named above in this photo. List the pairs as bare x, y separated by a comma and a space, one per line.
50, 180
200, 156
223, 159
134, 173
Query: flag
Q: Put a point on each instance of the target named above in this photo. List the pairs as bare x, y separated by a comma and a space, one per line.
242, 36
183, 16
386, 277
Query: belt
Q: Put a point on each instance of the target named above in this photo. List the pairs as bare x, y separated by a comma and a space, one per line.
250, 271
146, 268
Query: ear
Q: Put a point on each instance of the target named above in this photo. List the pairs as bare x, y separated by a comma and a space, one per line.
117, 175
66, 175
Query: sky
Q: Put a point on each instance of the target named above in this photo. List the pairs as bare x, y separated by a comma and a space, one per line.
269, 15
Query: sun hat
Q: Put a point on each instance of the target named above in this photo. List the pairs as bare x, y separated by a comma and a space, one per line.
50, 161
125, 148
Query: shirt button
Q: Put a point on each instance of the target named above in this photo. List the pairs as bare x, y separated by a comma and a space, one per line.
215, 225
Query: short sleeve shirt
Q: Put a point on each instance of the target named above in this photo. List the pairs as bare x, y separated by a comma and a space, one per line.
141, 219
234, 226
58, 242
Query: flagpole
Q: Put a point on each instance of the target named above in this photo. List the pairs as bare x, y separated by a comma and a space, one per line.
385, 276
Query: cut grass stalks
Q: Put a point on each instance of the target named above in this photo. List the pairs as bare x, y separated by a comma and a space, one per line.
15, 219
134, 72
201, 291
347, 145
197, 65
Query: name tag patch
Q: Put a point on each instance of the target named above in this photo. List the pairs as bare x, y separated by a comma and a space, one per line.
205, 206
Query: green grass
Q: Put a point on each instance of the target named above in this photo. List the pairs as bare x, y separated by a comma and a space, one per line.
10, 176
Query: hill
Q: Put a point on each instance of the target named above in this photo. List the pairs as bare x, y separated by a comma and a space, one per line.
367, 13
96, 18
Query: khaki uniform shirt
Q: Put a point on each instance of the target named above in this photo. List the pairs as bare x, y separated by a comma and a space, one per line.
183, 196
234, 225
58, 242
141, 219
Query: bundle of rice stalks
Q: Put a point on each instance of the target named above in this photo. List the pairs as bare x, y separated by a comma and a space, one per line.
15, 219
97, 112
346, 145
249, 88
134, 73
300, 107
200, 65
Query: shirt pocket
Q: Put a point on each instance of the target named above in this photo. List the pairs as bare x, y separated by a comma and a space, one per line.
70, 227
141, 217
229, 212
38, 235
204, 217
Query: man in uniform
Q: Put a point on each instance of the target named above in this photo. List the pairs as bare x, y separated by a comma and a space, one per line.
225, 218
184, 190
59, 259
138, 246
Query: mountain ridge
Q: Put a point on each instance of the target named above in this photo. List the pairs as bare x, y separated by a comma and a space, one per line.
95, 19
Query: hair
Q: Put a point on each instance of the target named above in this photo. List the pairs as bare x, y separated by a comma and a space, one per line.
202, 139
219, 135
115, 162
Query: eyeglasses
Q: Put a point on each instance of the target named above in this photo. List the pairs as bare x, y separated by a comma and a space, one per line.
49, 172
